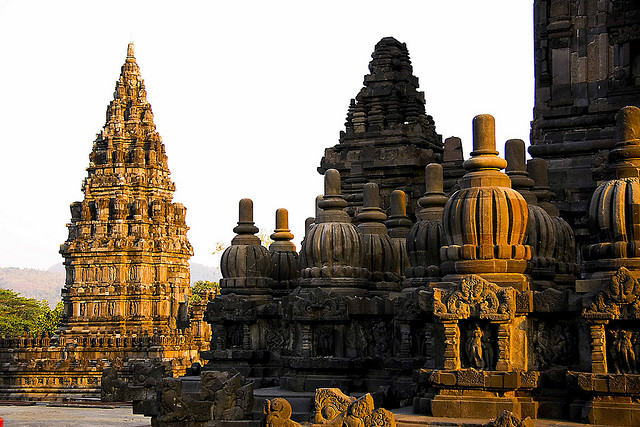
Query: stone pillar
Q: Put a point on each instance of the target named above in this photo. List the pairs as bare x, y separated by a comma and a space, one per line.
598, 348
452, 344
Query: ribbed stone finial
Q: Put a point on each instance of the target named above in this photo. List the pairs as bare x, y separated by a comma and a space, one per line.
398, 226
614, 204
331, 249
246, 264
245, 229
379, 254
485, 221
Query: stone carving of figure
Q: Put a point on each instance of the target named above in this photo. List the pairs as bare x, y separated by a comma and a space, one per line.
474, 349
624, 357
325, 342
479, 350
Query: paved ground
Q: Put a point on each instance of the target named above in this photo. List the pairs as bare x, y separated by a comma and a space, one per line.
43, 415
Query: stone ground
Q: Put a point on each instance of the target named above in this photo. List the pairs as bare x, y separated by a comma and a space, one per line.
56, 415
44, 414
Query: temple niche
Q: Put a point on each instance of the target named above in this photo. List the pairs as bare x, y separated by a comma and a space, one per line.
127, 290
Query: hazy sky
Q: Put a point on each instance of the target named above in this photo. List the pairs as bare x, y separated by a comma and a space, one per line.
246, 96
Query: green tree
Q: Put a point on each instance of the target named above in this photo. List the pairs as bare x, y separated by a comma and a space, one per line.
19, 314
200, 287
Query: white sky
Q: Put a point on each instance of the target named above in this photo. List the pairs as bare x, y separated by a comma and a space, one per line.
246, 96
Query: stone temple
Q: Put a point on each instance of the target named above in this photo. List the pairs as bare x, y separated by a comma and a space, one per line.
127, 266
454, 287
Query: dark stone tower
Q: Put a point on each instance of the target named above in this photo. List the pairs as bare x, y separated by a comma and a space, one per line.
587, 66
389, 139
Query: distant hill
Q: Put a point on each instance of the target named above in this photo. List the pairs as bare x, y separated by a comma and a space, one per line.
203, 272
32, 283
41, 284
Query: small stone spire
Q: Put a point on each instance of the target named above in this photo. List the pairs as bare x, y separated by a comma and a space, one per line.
539, 172
426, 237
371, 217
541, 230
431, 205
514, 153
379, 255
246, 228
398, 226
398, 223
284, 258
282, 235
130, 56
332, 203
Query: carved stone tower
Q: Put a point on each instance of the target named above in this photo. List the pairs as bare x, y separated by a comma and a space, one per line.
127, 253
587, 67
389, 139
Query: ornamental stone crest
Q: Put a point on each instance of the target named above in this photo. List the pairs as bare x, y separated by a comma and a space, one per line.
315, 304
475, 297
617, 300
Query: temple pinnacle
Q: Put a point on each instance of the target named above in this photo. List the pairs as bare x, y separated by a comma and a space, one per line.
130, 55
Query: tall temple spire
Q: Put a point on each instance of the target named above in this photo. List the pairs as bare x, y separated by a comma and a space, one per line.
388, 137
127, 234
